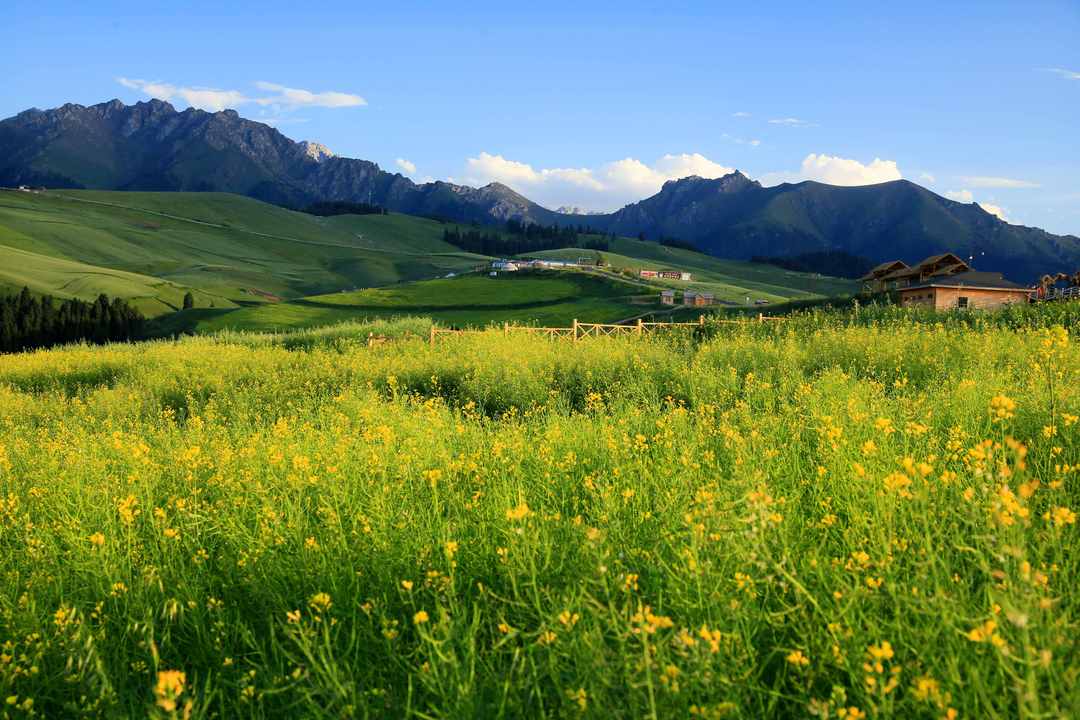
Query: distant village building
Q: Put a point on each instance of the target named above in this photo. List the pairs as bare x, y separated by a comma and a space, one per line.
504, 265
697, 299
664, 275
667, 297
965, 290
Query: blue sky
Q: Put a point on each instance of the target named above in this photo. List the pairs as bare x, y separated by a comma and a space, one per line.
596, 104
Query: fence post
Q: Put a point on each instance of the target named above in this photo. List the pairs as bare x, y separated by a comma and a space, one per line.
506, 328
701, 319
760, 318
575, 329
639, 326
431, 335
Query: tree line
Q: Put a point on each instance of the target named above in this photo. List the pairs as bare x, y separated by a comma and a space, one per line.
520, 237
28, 322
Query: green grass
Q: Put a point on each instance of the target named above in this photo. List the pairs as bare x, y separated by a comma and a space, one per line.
230, 247
235, 251
873, 515
546, 298
69, 279
730, 280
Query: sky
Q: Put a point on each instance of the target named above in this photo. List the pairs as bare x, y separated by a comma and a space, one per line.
595, 105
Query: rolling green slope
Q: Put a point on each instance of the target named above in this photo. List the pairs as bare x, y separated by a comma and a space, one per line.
233, 248
69, 279
546, 298
281, 266
730, 280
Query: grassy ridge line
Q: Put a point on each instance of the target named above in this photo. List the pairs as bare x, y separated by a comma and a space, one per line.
202, 222
228, 245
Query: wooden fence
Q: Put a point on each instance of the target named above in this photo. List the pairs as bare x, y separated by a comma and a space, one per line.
580, 330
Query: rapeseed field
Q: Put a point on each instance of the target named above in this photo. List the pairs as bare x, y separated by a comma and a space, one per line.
819, 519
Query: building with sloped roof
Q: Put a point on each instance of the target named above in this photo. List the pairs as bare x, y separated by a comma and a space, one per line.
969, 290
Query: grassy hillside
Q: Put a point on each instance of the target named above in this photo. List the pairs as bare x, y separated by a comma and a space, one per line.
730, 280
234, 249
549, 298
69, 279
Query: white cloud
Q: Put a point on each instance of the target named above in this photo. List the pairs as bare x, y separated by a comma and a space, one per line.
293, 97
608, 186
406, 165
995, 210
215, 100
982, 181
844, 171
740, 114
966, 196
201, 97
1067, 74
927, 177
791, 122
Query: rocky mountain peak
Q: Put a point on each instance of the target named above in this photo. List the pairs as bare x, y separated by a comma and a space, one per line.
315, 151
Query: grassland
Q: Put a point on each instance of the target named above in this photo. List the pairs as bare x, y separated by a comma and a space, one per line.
839, 516
233, 251
546, 298
731, 281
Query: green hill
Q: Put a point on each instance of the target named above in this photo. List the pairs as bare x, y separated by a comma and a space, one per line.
544, 298
233, 249
286, 269
730, 280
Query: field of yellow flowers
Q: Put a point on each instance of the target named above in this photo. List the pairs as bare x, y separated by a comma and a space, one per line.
831, 521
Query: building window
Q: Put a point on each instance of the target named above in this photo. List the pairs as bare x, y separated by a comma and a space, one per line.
961, 302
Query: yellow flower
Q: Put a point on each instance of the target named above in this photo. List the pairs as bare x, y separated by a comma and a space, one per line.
171, 533
451, 547
1061, 515
169, 688
579, 696
796, 658
407, 584
97, 539
520, 512
293, 616
311, 543
320, 602
1002, 408
420, 617
547, 638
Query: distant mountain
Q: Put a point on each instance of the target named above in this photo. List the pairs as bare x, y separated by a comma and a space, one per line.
736, 217
151, 146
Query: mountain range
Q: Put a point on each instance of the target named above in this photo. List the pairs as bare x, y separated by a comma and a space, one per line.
152, 146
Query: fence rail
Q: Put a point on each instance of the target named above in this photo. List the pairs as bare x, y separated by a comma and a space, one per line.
580, 330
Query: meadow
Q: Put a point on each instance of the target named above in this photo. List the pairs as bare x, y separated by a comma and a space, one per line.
840, 516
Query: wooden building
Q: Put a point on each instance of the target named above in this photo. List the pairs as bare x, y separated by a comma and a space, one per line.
667, 297
963, 291
935, 266
872, 281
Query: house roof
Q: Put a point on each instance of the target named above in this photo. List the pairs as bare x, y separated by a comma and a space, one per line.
930, 265
884, 268
972, 279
